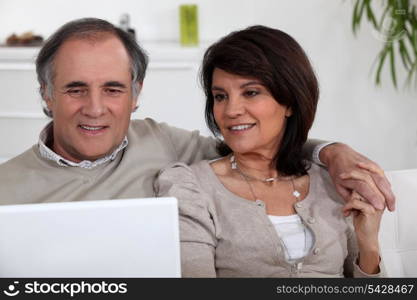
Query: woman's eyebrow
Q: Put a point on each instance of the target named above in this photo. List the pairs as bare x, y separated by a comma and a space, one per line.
216, 88
250, 83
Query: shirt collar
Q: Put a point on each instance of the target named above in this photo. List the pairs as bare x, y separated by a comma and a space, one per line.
47, 153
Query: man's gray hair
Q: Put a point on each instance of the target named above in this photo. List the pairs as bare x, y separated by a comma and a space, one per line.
86, 28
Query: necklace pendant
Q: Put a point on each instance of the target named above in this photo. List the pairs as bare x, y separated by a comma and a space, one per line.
296, 194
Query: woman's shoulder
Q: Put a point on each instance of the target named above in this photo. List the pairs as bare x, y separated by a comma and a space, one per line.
196, 176
323, 185
179, 171
319, 172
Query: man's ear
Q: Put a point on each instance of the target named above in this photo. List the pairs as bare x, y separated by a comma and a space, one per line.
138, 89
46, 97
288, 112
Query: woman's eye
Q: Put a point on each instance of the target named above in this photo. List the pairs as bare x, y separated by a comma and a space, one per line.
251, 93
219, 97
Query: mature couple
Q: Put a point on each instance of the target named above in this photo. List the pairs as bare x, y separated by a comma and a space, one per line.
260, 209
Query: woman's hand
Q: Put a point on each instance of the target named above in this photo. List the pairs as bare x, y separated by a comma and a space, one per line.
366, 220
344, 163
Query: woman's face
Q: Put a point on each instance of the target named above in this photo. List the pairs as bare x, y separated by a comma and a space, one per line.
249, 118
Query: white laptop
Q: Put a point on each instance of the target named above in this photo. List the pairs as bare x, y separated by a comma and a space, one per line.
108, 238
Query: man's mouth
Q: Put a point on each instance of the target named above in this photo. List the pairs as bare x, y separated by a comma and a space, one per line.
91, 128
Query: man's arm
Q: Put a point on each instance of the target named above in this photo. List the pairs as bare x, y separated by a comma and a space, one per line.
340, 159
190, 146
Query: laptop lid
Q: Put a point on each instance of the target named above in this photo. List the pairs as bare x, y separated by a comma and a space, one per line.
108, 238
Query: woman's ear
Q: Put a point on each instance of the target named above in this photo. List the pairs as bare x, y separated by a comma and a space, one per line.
288, 112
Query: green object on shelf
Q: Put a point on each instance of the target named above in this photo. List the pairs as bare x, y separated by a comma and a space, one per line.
189, 25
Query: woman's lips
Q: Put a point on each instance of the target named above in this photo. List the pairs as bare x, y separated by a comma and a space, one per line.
240, 128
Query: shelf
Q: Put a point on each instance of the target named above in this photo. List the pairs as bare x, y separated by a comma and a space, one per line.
159, 52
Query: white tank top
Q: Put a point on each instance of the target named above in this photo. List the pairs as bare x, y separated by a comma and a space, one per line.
297, 238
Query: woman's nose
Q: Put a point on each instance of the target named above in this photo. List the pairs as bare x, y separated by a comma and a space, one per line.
234, 107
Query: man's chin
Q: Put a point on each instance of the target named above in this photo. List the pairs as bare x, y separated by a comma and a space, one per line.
85, 151
91, 155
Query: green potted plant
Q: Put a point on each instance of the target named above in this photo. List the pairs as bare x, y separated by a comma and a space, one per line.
397, 28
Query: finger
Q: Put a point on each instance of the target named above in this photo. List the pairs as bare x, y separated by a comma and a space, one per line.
371, 167
352, 195
381, 182
361, 175
358, 174
345, 193
384, 187
347, 209
374, 197
355, 195
365, 177
363, 207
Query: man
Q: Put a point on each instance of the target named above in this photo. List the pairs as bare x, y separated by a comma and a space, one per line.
90, 76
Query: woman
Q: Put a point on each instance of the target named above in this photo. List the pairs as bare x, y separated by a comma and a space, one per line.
262, 210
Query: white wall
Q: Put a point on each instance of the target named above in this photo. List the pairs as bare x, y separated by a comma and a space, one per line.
380, 122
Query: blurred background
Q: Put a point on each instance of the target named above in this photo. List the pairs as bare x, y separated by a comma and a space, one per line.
379, 121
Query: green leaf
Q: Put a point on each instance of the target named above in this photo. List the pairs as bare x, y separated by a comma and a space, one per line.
371, 15
411, 38
357, 15
401, 35
405, 57
392, 63
382, 55
384, 14
411, 72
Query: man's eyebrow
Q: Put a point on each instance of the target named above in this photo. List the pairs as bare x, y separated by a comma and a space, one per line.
73, 84
114, 84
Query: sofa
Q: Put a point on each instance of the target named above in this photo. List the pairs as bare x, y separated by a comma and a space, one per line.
398, 232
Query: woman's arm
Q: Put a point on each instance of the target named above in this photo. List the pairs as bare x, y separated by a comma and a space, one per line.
366, 222
197, 228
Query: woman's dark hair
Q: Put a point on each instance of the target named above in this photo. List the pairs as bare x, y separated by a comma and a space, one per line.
279, 62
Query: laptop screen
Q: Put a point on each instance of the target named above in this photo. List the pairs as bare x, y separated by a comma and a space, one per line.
108, 238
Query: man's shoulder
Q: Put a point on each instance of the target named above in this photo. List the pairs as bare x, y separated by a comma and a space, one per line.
149, 125
20, 162
149, 133
18, 176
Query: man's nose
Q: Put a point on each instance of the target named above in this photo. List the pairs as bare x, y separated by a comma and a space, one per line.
94, 106
235, 107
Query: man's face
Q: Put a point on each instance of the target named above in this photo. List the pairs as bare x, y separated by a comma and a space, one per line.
92, 98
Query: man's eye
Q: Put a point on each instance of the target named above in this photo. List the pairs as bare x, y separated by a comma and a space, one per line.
219, 97
113, 92
77, 92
